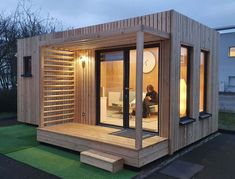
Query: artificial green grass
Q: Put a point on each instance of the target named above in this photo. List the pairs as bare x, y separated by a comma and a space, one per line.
17, 137
227, 121
19, 142
63, 164
7, 115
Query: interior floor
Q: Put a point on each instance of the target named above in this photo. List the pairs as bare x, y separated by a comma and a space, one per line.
116, 118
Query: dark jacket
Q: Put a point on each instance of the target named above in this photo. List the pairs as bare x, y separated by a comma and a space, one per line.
154, 96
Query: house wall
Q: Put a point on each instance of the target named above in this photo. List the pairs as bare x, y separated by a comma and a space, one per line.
191, 33
183, 31
226, 63
28, 98
30, 103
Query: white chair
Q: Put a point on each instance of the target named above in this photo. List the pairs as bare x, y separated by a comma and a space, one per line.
153, 108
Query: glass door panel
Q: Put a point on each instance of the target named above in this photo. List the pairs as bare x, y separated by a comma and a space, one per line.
150, 95
111, 88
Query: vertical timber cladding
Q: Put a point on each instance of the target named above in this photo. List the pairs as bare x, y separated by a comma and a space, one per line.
28, 100
189, 32
58, 87
85, 101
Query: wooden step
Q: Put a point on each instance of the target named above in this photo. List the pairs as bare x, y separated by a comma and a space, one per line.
102, 160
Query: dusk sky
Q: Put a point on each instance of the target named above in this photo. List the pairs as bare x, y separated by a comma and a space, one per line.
79, 13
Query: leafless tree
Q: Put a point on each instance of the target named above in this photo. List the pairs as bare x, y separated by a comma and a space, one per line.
25, 21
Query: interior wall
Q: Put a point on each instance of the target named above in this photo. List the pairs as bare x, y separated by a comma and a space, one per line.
148, 78
112, 73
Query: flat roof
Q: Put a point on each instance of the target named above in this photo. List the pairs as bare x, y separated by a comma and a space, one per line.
118, 37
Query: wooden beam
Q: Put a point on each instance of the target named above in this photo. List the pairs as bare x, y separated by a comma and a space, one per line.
100, 37
139, 88
94, 36
155, 32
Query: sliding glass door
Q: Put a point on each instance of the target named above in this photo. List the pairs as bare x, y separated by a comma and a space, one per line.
116, 88
111, 88
150, 88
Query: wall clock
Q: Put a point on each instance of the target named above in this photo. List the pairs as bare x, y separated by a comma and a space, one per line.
149, 62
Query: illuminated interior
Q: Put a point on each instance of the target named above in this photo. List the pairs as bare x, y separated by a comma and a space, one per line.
111, 87
183, 81
183, 98
232, 51
202, 82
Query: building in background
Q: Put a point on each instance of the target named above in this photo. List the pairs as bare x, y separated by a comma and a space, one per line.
227, 59
227, 69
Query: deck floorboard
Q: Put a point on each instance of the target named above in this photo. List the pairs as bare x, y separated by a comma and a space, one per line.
101, 134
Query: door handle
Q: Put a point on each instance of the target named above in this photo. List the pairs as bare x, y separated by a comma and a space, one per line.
126, 96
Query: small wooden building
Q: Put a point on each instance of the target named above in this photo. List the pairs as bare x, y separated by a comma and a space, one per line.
85, 87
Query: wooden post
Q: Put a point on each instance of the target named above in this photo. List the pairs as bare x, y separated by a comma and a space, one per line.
139, 88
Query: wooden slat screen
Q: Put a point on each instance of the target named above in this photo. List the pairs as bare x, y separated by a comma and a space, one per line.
58, 95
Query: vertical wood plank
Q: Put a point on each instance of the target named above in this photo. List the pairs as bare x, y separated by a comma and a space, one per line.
139, 88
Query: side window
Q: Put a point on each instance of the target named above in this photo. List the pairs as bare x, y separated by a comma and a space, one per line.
231, 52
184, 82
203, 113
27, 66
203, 82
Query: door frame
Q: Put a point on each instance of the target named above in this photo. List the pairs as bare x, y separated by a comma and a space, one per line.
125, 89
126, 71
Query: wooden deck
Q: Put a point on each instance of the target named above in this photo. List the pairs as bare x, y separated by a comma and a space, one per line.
80, 137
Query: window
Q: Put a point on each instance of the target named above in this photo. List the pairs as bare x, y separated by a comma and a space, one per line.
231, 81
203, 86
231, 52
27, 66
203, 83
184, 82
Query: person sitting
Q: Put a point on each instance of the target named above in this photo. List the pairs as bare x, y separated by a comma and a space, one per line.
150, 99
